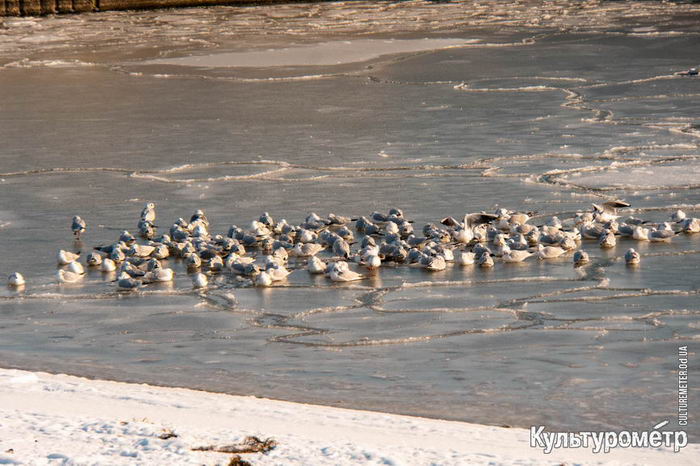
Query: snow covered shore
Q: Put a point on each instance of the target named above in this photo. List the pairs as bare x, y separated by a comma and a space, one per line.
60, 419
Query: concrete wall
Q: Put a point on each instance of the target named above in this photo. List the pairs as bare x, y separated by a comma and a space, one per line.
48, 7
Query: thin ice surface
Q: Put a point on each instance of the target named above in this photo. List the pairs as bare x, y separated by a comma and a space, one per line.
555, 106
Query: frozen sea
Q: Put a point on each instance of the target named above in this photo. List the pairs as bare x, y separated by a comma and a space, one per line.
351, 107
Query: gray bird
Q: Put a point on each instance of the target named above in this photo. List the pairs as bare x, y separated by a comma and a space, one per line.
78, 226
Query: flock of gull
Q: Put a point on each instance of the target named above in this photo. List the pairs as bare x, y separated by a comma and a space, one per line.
260, 254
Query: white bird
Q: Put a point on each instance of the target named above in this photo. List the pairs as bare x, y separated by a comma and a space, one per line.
640, 233
316, 265
465, 258
678, 216
661, 235
607, 240
463, 235
448, 254
139, 250
277, 273
66, 257
514, 256
149, 212
15, 279
372, 261
65, 276
307, 249
691, 225
549, 252
632, 257
108, 265
76, 267
263, 279
159, 275
342, 273
199, 280
435, 263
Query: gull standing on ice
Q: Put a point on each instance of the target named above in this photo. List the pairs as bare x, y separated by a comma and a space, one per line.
148, 213
78, 226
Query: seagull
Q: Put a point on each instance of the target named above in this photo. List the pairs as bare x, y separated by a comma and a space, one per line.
126, 283
607, 240
372, 261
549, 252
139, 250
608, 210
640, 233
159, 275
148, 213
632, 257
93, 259
678, 216
216, 264
65, 276
127, 238
341, 248
108, 265
434, 263
160, 251
316, 265
66, 257
76, 267
118, 255
307, 249
464, 258
485, 260
342, 273
199, 280
131, 270
78, 226
192, 261
146, 229
661, 235
276, 273
691, 225
16, 279
580, 258
263, 279
514, 256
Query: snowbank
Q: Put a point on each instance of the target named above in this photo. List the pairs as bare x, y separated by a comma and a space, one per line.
60, 419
